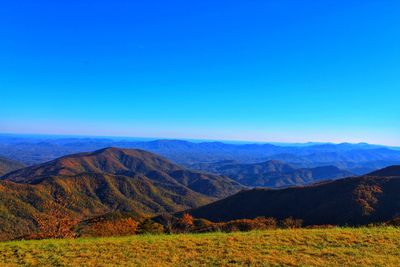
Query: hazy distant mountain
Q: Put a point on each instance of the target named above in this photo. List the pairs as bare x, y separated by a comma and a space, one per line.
7, 165
349, 201
358, 158
277, 174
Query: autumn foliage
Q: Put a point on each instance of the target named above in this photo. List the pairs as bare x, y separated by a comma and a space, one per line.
366, 195
185, 224
56, 223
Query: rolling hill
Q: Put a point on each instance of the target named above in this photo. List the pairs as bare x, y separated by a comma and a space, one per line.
7, 165
276, 174
107, 180
130, 163
349, 201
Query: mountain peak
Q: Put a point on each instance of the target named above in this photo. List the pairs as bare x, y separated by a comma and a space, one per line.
110, 160
114, 150
130, 163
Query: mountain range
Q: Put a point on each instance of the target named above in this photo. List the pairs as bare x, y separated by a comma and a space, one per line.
141, 183
351, 201
129, 163
103, 181
359, 158
273, 173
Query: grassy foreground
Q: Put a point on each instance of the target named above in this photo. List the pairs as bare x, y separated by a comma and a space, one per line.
304, 247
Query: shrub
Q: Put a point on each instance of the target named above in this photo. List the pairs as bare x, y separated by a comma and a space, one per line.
184, 224
148, 226
242, 225
245, 225
291, 223
167, 221
395, 221
117, 227
201, 223
187, 220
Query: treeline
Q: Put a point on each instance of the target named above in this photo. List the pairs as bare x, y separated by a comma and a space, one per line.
118, 224
188, 224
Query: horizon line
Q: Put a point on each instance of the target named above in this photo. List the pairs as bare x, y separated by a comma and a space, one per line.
194, 140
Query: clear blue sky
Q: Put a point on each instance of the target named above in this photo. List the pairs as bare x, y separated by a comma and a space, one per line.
290, 71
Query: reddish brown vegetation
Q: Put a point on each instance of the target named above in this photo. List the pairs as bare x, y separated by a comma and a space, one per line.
103, 228
185, 224
243, 225
291, 223
189, 224
148, 226
118, 225
366, 197
56, 223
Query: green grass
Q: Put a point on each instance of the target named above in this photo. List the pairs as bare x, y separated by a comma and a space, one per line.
302, 247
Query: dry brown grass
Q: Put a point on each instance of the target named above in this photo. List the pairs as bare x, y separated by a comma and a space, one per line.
378, 246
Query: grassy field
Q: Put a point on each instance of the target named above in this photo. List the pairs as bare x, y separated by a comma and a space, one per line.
303, 247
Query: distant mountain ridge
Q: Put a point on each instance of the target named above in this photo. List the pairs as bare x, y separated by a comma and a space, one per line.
7, 165
274, 173
357, 158
350, 201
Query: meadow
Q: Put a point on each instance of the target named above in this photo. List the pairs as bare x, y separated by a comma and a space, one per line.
378, 246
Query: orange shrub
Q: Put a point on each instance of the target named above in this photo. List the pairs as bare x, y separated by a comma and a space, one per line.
184, 224
57, 222
187, 220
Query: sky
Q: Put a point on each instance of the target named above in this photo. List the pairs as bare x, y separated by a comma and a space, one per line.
267, 70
